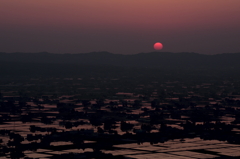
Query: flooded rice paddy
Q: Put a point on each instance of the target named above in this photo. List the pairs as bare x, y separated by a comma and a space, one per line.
120, 117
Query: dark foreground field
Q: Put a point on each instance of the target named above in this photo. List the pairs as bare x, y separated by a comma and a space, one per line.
73, 111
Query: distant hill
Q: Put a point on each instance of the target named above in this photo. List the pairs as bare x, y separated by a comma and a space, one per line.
141, 60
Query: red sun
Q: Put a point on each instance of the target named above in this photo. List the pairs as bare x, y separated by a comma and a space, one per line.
158, 46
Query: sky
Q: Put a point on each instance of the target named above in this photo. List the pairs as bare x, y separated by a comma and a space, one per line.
120, 26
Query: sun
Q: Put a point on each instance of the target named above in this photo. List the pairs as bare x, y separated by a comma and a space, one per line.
158, 46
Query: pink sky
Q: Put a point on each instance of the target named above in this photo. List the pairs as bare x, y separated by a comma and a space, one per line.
119, 26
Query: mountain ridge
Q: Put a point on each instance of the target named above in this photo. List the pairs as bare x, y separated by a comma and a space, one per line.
151, 59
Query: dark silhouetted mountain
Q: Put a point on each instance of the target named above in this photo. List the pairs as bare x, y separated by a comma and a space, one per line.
152, 59
35, 63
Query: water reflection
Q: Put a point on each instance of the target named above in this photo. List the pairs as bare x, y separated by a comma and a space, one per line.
166, 123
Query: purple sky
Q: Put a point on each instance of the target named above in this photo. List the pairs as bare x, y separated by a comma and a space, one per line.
119, 26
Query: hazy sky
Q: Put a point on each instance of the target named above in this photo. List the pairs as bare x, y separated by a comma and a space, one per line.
119, 26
